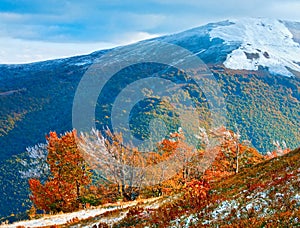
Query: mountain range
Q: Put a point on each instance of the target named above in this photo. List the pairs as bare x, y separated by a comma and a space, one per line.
256, 63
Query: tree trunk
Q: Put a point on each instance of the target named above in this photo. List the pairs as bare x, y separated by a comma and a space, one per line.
237, 158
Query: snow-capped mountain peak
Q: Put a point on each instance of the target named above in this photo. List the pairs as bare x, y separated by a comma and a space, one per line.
262, 42
242, 44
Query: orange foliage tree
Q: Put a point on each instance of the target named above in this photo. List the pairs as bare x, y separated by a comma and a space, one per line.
184, 153
231, 153
196, 191
182, 161
69, 176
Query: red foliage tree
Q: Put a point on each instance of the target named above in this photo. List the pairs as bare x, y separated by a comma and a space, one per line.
69, 174
196, 191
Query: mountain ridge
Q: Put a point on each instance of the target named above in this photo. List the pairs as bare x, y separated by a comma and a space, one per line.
228, 32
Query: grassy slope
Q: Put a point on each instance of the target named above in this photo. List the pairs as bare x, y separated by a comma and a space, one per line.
266, 195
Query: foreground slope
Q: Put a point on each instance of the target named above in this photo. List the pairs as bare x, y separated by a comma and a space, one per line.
266, 195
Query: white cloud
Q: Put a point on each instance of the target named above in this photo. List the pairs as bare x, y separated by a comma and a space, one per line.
286, 10
22, 51
145, 21
13, 51
132, 37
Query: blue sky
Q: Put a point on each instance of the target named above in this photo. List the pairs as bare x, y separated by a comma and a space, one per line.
33, 30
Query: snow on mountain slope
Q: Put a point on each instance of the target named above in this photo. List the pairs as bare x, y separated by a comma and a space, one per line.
264, 42
294, 28
241, 44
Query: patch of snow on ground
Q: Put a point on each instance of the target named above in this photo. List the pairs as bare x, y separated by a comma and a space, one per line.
297, 198
81, 215
223, 210
268, 41
109, 221
60, 218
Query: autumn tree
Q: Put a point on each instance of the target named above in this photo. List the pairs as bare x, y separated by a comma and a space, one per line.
177, 147
117, 163
69, 175
231, 153
131, 169
196, 191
